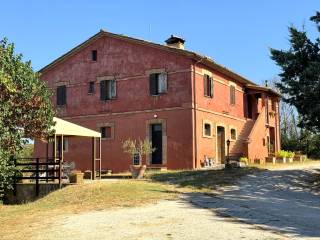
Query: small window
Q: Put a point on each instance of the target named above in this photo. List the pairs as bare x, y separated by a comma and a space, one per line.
107, 90
61, 95
94, 55
207, 129
232, 95
106, 132
233, 134
91, 87
158, 83
208, 86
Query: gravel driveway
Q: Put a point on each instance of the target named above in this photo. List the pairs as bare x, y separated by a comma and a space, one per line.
280, 200
261, 206
175, 219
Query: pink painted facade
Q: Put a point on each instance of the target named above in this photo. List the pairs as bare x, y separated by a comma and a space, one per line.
189, 126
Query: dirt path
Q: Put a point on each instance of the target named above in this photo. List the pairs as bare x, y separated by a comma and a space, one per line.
176, 219
280, 200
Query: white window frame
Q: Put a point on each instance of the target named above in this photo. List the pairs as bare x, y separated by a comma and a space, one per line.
206, 122
235, 129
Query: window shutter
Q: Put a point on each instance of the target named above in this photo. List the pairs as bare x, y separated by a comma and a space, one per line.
162, 82
61, 95
103, 90
113, 88
153, 84
211, 87
205, 85
108, 89
232, 95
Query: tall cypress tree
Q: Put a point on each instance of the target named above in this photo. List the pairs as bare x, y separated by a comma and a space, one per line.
300, 75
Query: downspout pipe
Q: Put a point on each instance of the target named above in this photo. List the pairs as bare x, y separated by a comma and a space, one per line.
195, 113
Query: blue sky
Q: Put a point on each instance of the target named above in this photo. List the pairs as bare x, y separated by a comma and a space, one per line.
234, 33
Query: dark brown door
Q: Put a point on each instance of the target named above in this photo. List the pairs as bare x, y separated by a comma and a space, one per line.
156, 138
221, 144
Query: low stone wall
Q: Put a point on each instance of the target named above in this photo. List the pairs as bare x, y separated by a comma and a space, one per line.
26, 192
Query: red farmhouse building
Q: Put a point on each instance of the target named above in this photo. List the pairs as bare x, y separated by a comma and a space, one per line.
185, 103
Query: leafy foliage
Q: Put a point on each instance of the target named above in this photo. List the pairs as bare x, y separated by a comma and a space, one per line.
26, 151
285, 154
300, 76
25, 108
141, 147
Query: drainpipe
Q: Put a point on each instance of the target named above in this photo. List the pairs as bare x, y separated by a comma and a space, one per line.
195, 113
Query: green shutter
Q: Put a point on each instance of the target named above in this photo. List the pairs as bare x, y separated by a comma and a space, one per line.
103, 90
205, 85
153, 85
61, 95
211, 87
113, 89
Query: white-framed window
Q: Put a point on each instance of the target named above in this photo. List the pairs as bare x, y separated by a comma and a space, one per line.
207, 129
233, 134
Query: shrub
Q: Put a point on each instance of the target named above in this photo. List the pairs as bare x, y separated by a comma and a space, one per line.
282, 154
285, 154
244, 160
290, 154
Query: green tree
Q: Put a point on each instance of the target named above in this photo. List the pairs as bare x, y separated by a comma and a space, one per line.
25, 108
300, 75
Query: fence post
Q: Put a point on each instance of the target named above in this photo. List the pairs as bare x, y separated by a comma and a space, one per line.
60, 173
37, 177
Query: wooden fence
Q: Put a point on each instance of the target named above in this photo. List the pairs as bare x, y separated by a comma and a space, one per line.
38, 169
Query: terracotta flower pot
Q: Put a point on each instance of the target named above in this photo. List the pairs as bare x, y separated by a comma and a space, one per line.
76, 177
137, 171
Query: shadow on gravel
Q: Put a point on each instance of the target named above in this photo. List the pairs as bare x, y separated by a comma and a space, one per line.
283, 201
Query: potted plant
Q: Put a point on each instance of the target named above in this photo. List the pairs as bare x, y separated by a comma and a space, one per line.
281, 156
137, 149
243, 161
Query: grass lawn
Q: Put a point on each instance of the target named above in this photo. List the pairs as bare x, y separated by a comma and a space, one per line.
202, 180
19, 221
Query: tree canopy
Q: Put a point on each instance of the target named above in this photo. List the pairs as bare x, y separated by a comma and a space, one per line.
25, 107
300, 75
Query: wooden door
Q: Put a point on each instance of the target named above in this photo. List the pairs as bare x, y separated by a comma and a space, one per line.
221, 145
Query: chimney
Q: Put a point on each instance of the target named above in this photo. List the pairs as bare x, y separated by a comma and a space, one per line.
175, 41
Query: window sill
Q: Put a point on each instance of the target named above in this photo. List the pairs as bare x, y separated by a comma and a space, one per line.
205, 136
208, 97
107, 100
157, 95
